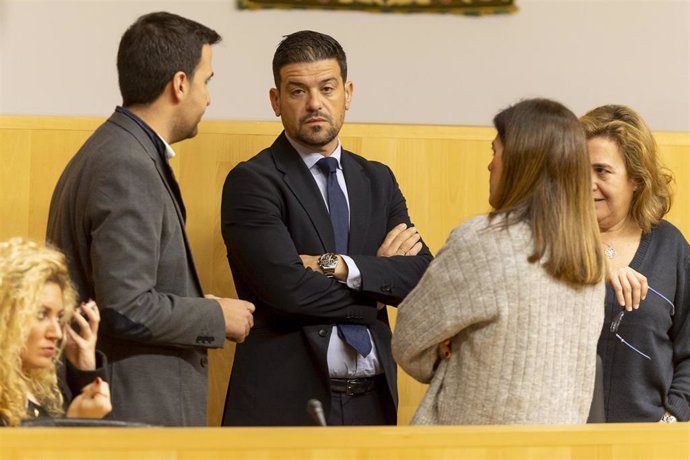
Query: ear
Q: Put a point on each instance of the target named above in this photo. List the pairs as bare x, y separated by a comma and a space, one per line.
274, 96
348, 94
180, 86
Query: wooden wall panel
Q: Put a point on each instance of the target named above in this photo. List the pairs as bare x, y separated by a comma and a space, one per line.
15, 167
442, 171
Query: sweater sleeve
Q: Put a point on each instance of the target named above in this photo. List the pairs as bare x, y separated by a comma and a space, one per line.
678, 399
446, 301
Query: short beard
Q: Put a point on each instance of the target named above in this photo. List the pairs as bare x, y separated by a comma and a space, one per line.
319, 138
180, 133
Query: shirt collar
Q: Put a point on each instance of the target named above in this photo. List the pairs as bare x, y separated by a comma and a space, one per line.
310, 158
169, 152
161, 145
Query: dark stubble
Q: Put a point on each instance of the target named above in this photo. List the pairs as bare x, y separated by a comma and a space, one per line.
317, 136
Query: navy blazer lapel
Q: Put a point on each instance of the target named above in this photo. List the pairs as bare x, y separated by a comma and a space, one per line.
302, 184
358, 191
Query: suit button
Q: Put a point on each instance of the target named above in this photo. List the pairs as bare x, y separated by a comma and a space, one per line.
203, 362
386, 288
323, 333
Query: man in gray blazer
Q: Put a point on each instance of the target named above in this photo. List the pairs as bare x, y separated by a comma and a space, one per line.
118, 215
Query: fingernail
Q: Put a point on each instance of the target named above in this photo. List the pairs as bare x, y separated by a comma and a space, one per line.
99, 380
636, 306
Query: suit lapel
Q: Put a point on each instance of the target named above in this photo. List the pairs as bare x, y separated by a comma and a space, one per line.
303, 186
164, 171
358, 191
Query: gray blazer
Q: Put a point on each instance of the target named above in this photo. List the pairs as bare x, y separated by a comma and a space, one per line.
117, 214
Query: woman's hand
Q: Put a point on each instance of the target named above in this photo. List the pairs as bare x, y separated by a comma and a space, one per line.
444, 349
92, 402
630, 286
80, 347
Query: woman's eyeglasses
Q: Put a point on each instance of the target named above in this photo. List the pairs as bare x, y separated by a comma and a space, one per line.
615, 324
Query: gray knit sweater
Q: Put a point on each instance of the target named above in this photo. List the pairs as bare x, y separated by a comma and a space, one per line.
523, 344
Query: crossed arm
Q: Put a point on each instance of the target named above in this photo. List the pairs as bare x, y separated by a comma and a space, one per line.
400, 241
273, 252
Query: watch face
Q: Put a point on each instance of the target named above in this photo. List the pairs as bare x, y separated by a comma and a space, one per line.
328, 261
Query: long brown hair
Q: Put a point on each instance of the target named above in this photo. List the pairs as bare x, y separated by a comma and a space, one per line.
546, 183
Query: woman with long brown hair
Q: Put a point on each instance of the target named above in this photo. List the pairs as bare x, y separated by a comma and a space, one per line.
513, 300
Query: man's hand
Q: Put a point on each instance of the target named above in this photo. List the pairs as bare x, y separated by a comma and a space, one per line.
630, 286
238, 316
400, 241
312, 262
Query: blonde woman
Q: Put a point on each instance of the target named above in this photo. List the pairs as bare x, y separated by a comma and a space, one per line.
645, 341
37, 302
514, 299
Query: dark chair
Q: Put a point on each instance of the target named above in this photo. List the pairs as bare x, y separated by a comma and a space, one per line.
80, 423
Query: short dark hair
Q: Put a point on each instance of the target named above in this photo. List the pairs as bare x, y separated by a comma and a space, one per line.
308, 46
153, 49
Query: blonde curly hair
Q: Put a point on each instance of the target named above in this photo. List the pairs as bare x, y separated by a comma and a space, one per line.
25, 268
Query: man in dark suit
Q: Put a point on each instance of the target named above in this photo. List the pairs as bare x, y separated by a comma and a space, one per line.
118, 215
319, 239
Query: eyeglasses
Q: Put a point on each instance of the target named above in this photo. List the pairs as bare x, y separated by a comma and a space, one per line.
673, 307
615, 324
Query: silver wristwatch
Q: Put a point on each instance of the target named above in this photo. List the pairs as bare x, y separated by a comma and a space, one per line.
668, 418
328, 263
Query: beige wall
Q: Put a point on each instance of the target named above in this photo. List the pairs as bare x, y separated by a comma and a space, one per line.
441, 170
57, 57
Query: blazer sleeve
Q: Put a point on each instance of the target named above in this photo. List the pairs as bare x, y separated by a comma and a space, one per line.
389, 279
262, 253
444, 303
139, 262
